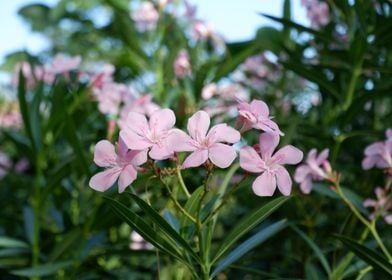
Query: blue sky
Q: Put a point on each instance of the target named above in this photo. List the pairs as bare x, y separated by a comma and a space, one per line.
234, 19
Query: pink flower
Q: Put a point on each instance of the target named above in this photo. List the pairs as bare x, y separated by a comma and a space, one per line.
121, 166
62, 64
270, 166
381, 205
205, 145
317, 12
21, 165
182, 66
109, 97
379, 154
316, 168
209, 91
256, 115
190, 10
142, 105
98, 79
10, 117
145, 17
140, 134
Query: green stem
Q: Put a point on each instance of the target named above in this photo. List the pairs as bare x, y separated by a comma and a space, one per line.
205, 266
225, 199
182, 183
371, 226
336, 274
177, 204
351, 86
363, 272
376, 236
36, 203
351, 206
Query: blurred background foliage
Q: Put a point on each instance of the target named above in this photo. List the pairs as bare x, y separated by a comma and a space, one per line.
327, 87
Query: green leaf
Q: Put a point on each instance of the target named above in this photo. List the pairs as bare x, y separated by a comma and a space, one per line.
13, 252
42, 270
248, 245
164, 226
28, 219
373, 258
288, 23
231, 63
171, 219
24, 109
316, 249
351, 195
146, 231
313, 75
249, 222
8, 242
186, 225
66, 243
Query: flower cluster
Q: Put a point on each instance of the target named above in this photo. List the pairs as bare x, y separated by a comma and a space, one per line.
145, 17
10, 116
157, 137
182, 65
315, 168
382, 205
221, 99
317, 12
60, 65
379, 154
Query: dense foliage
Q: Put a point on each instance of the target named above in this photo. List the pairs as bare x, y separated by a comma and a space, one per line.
134, 67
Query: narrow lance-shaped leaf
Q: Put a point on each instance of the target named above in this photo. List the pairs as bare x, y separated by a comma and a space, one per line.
315, 248
248, 245
249, 222
164, 226
371, 257
147, 232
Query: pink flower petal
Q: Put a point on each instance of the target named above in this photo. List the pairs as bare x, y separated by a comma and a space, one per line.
127, 176
250, 160
388, 219
162, 120
283, 181
104, 154
306, 185
134, 141
301, 173
224, 133
105, 179
268, 143
288, 155
369, 162
137, 123
322, 156
195, 159
136, 157
369, 203
388, 133
265, 184
160, 152
268, 126
222, 155
259, 107
122, 148
181, 142
198, 125
312, 157
375, 148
